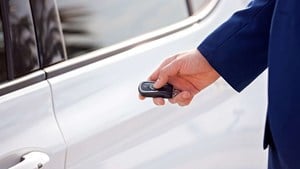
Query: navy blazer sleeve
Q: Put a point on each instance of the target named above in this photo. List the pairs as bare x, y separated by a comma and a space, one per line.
238, 49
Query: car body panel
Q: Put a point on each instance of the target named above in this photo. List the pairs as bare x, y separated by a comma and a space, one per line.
28, 124
106, 126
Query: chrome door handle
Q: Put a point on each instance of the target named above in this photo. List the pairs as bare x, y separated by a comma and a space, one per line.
32, 160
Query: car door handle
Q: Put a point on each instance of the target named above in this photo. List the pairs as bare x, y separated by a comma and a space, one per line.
32, 160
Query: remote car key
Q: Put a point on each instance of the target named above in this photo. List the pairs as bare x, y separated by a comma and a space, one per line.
146, 89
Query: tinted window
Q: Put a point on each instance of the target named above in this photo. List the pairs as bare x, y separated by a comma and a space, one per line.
21, 51
48, 32
93, 24
3, 72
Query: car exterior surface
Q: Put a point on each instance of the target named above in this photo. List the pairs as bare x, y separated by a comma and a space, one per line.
70, 72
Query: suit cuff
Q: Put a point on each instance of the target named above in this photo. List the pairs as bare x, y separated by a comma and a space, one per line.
218, 65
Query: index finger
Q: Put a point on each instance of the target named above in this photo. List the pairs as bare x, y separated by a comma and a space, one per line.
154, 76
166, 72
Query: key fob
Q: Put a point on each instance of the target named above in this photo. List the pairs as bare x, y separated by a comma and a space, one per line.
146, 89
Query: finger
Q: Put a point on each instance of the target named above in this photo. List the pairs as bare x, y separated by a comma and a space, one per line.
159, 101
171, 101
155, 74
169, 70
141, 97
183, 98
184, 103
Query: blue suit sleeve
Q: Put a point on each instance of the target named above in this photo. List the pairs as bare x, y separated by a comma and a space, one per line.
238, 49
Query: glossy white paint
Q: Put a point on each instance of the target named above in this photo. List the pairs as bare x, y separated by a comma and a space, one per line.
28, 124
107, 127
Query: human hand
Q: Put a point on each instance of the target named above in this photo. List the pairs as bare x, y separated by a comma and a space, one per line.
189, 72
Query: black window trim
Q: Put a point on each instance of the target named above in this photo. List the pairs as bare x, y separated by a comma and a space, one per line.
12, 73
189, 7
22, 82
7, 39
13, 83
85, 59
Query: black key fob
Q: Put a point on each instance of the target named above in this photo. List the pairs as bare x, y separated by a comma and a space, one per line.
146, 89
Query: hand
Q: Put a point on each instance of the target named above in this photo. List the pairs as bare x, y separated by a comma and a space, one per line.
188, 72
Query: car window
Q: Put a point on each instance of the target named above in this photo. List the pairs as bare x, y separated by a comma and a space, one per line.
3, 70
93, 24
48, 32
21, 51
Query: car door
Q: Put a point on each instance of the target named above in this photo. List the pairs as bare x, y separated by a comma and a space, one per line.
96, 100
29, 134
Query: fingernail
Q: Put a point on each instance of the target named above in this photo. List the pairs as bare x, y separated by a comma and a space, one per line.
155, 85
161, 103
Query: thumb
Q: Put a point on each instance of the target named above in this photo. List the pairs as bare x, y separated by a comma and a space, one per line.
170, 69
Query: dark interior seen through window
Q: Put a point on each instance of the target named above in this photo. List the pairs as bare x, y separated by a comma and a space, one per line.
22, 42
92, 24
48, 32
3, 70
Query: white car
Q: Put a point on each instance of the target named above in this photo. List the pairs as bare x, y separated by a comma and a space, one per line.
69, 72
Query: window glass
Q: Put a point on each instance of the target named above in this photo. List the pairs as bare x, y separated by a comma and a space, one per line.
22, 46
48, 32
93, 24
3, 70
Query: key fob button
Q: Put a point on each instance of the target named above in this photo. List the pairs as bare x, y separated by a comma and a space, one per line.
145, 86
151, 86
147, 89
